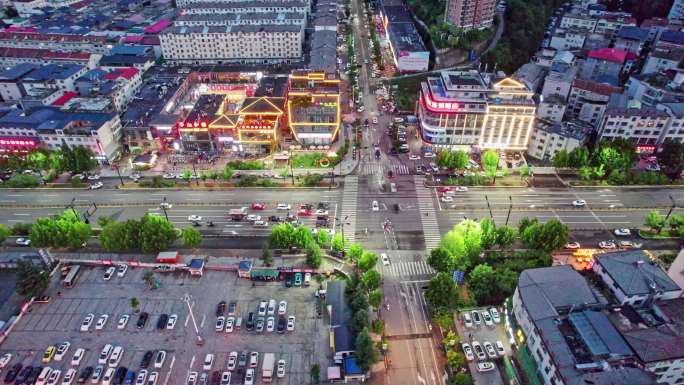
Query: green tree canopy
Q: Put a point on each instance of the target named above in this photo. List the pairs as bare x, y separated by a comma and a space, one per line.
66, 230
359, 320
371, 279
441, 292
156, 234
76, 159
441, 260
367, 261
547, 237
355, 251
375, 298
314, 255
489, 286
191, 237
31, 280
505, 236
4, 232
337, 242
655, 221
366, 352
464, 243
322, 237
488, 233
561, 159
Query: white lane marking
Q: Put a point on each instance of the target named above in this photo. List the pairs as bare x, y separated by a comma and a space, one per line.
15, 195
22, 214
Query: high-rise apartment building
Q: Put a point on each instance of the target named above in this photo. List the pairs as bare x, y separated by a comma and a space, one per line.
472, 108
470, 14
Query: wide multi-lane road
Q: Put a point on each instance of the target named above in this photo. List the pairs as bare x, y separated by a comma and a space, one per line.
26, 205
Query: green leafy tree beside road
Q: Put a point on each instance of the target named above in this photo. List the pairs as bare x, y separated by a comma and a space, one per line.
4, 232
441, 260
66, 230
31, 280
366, 352
655, 221
192, 238
441, 292
367, 261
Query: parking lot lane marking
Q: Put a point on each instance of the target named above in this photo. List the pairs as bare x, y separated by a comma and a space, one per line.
204, 318
168, 375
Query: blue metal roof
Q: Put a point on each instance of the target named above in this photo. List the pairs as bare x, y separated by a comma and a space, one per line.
633, 33
54, 72
598, 334
350, 366
673, 37
136, 50
17, 71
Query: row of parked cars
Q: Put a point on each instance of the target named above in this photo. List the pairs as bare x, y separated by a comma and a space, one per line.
106, 372
164, 322
475, 317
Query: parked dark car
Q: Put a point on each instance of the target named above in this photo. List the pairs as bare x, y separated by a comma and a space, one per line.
288, 280
13, 373
147, 358
281, 325
250, 321
232, 308
221, 309
161, 322
142, 320
85, 374
215, 378
23, 375
119, 375
33, 376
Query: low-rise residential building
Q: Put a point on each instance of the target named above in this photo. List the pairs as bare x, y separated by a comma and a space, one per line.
233, 44
630, 119
246, 6
55, 42
588, 100
313, 107
10, 57
604, 65
118, 85
653, 88
631, 39
555, 305
408, 49
610, 23
567, 39
634, 278
342, 337
552, 108
50, 128
578, 21
559, 80
661, 59
30, 79
548, 138
677, 10
460, 109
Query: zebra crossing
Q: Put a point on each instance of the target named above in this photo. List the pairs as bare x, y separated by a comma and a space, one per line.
348, 211
428, 216
409, 269
380, 169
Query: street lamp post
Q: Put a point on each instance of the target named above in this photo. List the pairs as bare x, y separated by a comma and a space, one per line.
194, 172
163, 207
510, 207
118, 171
671, 208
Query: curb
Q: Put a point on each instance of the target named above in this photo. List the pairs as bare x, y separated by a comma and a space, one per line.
649, 186
334, 187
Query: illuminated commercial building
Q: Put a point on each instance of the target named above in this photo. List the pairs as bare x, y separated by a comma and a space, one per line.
461, 109
313, 107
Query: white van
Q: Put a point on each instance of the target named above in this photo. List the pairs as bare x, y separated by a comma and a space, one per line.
43, 376
104, 355
398, 120
393, 187
115, 358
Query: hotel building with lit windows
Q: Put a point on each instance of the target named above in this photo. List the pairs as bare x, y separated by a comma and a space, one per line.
464, 109
313, 107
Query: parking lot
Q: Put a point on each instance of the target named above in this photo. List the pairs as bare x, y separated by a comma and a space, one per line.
483, 333
60, 320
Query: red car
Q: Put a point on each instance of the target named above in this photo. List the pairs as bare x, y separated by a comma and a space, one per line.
258, 206
444, 189
304, 212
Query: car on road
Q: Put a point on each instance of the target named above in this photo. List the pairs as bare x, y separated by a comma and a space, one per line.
579, 203
468, 351
467, 320
87, 321
95, 186
428, 155
169, 176
479, 351
414, 157
258, 206
171, 323
59, 354
121, 270
626, 245
485, 366
109, 273
260, 224
375, 206
321, 212
195, 218
487, 318
361, 109
101, 322
94, 177
23, 242
572, 245
123, 321
495, 315
489, 348
622, 232
461, 189
253, 217
385, 259
607, 245
283, 206
500, 348
447, 199
375, 120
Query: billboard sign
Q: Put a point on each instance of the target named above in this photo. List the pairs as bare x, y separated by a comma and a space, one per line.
413, 61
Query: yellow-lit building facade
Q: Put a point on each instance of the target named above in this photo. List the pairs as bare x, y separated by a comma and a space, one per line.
313, 107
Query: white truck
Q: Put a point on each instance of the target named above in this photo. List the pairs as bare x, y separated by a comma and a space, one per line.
267, 367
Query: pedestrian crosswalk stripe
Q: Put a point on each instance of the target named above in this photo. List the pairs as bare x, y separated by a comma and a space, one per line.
348, 212
379, 169
428, 217
410, 269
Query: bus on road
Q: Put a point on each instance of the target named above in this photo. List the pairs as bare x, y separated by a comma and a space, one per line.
72, 277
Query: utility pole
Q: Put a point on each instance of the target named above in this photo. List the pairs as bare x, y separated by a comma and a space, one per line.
194, 172
163, 207
510, 207
71, 206
291, 167
491, 215
116, 167
671, 208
